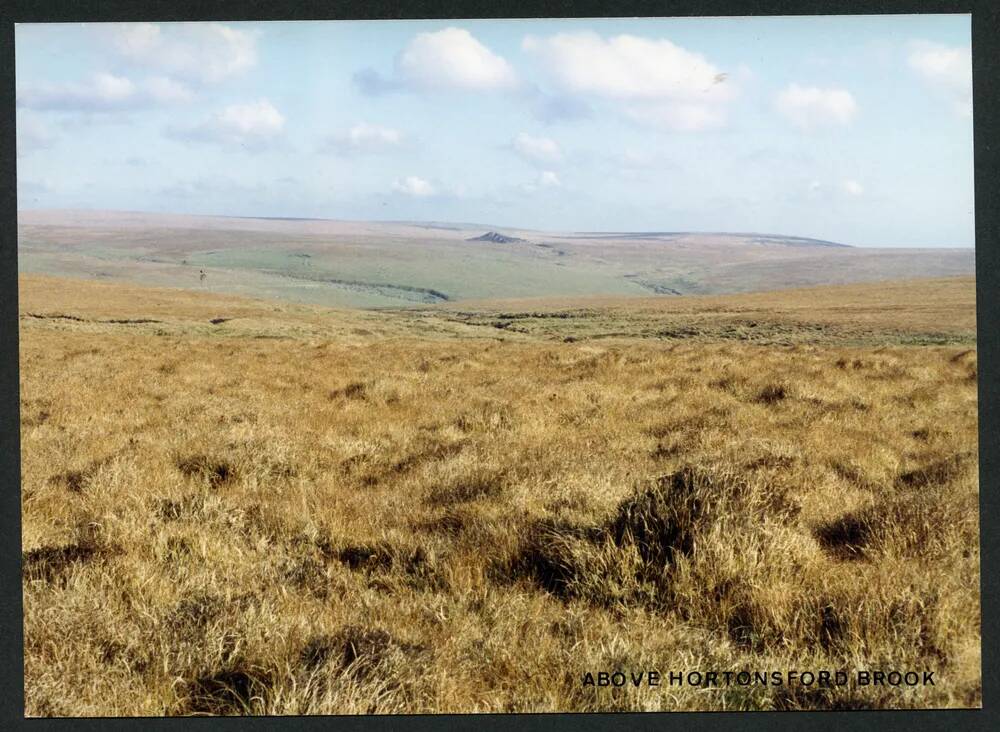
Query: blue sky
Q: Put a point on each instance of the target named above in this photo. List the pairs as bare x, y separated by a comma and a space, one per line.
855, 129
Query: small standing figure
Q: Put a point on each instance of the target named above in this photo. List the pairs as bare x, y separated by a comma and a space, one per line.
201, 275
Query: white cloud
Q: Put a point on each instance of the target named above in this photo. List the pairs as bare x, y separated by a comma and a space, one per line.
625, 67
679, 117
254, 125
453, 59
545, 179
665, 85
257, 119
645, 159
367, 138
810, 107
43, 185
827, 191
548, 179
197, 52
167, 91
102, 92
32, 134
537, 149
211, 186
852, 187
947, 70
187, 53
113, 88
413, 186
559, 107
135, 40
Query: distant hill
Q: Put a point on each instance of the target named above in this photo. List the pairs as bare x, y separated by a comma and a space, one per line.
793, 241
372, 264
672, 235
496, 238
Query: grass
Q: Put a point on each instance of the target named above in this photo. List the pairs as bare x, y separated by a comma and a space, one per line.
303, 511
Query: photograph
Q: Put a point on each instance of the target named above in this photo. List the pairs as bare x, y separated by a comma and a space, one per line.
493, 366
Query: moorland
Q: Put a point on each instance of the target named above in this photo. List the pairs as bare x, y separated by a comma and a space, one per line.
267, 505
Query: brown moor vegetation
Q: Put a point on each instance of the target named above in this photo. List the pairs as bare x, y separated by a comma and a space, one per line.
235, 507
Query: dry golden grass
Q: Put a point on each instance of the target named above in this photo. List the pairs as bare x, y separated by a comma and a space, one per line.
308, 511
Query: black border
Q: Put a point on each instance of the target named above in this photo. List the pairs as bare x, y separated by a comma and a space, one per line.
986, 91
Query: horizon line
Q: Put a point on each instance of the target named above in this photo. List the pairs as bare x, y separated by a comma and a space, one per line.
494, 227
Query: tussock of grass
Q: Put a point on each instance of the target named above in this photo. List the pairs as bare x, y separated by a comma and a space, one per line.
49, 563
214, 471
357, 650
241, 688
772, 393
468, 488
631, 557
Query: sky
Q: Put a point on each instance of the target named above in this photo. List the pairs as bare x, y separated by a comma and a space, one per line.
856, 129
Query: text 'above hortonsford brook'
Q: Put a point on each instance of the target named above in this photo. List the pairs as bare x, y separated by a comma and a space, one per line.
707, 679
